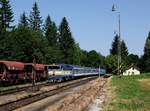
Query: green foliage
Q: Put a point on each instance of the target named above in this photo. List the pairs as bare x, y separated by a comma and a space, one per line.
22, 44
35, 18
77, 55
67, 43
111, 63
124, 50
95, 59
133, 59
51, 32
114, 48
124, 54
53, 55
142, 64
23, 21
114, 51
6, 15
84, 58
50, 44
146, 56
91, 59
53, 44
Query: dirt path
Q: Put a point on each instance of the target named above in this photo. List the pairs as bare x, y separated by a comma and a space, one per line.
100, 100
109, 97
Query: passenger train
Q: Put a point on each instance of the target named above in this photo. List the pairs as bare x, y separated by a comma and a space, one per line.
62, 72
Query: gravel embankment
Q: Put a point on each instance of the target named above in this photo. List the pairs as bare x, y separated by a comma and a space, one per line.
81, 99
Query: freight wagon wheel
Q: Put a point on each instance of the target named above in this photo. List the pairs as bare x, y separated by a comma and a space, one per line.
1, 83
5, 82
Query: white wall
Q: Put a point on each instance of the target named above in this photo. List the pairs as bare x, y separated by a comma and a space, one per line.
131, 71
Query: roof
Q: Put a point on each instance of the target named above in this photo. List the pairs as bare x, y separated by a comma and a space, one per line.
13, 65
71, 67
133, 66
37, 67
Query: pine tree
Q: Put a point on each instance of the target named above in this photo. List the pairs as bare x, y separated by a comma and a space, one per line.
35, 18
147, 46
146, 56
124, 50
48, 23
6, 15
23, 21
51, 31
124, 56
115, 43
67, 43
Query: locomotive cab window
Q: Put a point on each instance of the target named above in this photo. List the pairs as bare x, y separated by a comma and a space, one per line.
53, 67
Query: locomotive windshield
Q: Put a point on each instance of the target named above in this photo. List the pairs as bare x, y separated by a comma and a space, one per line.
53, 67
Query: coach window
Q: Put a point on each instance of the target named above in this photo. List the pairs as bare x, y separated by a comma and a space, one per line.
75, 71
1, 68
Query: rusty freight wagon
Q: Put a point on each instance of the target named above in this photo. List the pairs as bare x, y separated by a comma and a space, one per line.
35, 71
11, 72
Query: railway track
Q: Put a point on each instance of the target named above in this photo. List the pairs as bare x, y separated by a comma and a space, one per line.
18, 89
30, 99
25, 88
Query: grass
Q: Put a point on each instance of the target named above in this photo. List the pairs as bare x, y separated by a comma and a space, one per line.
132, 93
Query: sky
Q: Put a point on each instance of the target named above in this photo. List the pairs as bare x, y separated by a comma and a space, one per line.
93, 23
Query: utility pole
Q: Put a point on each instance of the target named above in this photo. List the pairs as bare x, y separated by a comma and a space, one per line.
33, 74
119, 43
99, 70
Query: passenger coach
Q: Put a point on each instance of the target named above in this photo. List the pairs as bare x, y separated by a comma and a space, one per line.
62, 72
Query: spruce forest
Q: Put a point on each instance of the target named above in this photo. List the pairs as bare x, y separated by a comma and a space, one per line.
41, 38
